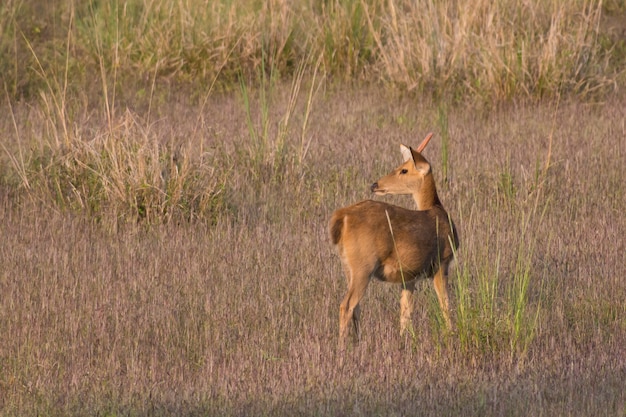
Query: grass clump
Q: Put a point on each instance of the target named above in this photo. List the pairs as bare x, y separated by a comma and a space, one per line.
272, 155
496, 317
125, 171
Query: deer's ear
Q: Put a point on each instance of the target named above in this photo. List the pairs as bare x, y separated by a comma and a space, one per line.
407, 154
422, 167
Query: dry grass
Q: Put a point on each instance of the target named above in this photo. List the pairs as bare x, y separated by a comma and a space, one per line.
164, 247
236, 313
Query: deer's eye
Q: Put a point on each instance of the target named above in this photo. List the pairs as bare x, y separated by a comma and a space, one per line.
404, 171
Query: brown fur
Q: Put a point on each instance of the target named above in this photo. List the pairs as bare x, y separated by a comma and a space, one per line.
395, 244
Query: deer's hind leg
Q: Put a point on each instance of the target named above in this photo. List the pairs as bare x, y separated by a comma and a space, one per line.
440, 282
349, 310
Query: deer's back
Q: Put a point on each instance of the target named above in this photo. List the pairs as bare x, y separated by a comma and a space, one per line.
378, 235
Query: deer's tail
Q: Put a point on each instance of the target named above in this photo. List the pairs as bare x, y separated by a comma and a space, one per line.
336, 226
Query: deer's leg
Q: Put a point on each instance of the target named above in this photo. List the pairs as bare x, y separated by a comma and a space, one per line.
349, 309
406, 306
441, 287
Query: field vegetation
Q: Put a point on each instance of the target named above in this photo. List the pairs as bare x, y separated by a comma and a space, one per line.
168, 169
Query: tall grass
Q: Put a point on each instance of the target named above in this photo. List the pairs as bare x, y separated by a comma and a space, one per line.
495, 315
269, 150
509, 48
482, 49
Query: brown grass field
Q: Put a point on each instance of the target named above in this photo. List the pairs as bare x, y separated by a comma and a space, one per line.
240, 315
164, 243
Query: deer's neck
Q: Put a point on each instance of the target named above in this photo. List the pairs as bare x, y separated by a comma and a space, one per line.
426, 197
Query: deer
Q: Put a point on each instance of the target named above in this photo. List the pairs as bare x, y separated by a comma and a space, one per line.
379, 240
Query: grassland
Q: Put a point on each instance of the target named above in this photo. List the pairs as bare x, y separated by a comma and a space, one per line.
164, 208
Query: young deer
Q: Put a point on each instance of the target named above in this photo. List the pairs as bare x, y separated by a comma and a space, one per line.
394, 244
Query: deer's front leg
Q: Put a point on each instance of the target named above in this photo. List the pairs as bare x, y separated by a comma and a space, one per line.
406, 307
441, 288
